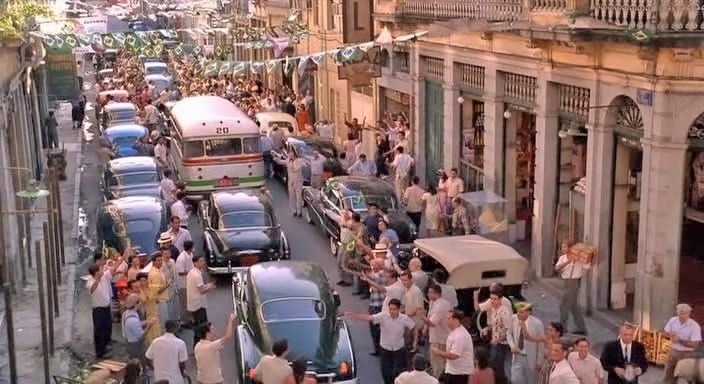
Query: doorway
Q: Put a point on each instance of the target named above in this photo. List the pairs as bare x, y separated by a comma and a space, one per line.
519, 175
434, 129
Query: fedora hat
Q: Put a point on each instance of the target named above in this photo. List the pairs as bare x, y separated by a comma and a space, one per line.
165, 238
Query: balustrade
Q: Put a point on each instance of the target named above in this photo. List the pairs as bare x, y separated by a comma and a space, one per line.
491, 10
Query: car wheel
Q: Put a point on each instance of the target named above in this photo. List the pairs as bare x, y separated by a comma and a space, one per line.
306, 214
333, 245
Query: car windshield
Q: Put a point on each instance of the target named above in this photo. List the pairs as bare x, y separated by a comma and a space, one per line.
155, 70
293, 309
303, 149
244, 219
134, 178
123, 141
143, 232
122, 115
358, 202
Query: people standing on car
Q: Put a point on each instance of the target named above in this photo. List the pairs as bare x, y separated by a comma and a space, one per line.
99, 286
168, 355
179, 235
571, 270
196, 301
184, 264
417, 375
362, 167
403, 165
317, 169
207, 353
459, 351
134, 329
393, 325
267, 145
437, 328
274, 369
413, 199
294, 177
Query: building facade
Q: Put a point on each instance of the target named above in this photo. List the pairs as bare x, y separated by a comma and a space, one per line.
591, 131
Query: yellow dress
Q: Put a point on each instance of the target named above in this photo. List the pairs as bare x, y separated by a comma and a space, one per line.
151, 310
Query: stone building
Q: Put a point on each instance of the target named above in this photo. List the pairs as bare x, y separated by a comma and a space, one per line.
585, 116
23, 108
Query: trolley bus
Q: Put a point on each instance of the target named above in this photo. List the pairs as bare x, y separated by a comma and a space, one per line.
214, 146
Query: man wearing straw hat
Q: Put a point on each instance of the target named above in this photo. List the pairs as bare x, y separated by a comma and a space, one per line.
133, 328
524, 334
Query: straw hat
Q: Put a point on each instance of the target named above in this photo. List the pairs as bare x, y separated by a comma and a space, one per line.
381, 247
165, 238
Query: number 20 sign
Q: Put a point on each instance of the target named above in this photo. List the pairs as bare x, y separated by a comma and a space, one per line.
222, 130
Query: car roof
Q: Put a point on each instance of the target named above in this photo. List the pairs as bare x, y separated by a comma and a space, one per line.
155, 64
303, 279
241, 200
156, 77
135, 204
132, 163
351, 185
120, 106
313, 140
126, 130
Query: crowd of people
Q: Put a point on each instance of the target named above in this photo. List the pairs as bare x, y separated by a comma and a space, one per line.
411, 315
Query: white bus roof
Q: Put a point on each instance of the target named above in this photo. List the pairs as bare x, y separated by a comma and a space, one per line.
193, 114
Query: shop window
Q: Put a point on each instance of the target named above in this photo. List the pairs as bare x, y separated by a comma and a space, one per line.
473, 133
385, 58
402, 61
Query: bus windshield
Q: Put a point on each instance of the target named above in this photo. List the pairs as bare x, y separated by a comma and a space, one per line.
222, 147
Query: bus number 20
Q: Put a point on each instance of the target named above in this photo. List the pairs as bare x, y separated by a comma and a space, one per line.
222, 131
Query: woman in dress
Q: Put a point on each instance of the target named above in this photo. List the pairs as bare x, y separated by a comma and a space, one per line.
444, 202
433, 211
552, 335
150, 305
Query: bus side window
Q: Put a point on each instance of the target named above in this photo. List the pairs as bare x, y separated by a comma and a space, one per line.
251, 145
192, 149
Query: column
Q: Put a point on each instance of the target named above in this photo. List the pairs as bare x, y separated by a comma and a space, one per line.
494, 130
659, 232
619, 222
451, 132
597, 212
417, 111
547, 146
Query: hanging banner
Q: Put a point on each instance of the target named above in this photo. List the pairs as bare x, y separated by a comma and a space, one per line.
90, 25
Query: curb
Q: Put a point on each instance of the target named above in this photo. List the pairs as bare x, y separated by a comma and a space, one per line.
71, 267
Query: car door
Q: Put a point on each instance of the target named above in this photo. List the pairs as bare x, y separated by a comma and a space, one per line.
331, 206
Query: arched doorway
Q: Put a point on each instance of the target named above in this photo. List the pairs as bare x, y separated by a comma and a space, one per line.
627, 169
692, 249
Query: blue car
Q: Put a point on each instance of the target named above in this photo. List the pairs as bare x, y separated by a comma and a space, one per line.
123, 137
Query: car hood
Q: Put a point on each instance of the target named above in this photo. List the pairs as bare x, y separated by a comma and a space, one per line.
152, 190
403, 225
315, 341
246, 239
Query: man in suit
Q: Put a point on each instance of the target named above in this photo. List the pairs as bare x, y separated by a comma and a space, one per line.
624, 359
524, 338
561, 372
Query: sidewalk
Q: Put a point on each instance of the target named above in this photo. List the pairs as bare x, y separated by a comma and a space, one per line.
27, 319
602, 326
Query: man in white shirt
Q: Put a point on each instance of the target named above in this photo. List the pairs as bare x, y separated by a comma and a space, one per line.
561, 372
161, 153
571, 271
325, 129
454, 184
316, 170
99, 286
179, 235
403, 163
449, 292
207, 353
151, 116
437, 327
585, 366
393, 325
362, 167
179, 210
268, 106
413, 305
525, 339
168, 355
459, 351
167, 185
686, 336
418, 375
394, 289
196, 301
184, 263
274, 369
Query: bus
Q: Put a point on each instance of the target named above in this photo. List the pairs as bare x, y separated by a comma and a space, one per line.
214, 146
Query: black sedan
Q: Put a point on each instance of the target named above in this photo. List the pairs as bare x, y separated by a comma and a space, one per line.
240, 229
303, 147
131, 176
291, 300
324, 206
132, 221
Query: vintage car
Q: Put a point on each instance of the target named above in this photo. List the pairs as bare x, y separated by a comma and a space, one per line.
135, 221
241, 230
268, 120
131, 176
104, 74
473, 262
119, 114
323, 206
160, 82
118, 95
291, 300
156, 68
122, 138
304, 147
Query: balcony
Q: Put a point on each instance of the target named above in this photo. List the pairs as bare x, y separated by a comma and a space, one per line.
661, 16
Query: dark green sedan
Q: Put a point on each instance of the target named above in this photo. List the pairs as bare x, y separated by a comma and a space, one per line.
291, 300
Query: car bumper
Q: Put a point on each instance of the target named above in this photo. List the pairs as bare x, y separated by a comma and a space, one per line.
225, 270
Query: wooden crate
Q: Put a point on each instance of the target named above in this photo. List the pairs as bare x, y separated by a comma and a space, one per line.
583, 252
651, 342
664, 345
